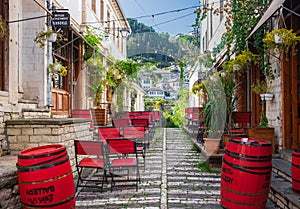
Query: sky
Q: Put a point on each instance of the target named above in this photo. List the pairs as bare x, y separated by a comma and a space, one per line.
172, 22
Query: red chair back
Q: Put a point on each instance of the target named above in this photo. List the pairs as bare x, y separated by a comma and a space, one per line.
134, 132
241, 117
108, 132
120, 122
144, 122
121, 146
89, 148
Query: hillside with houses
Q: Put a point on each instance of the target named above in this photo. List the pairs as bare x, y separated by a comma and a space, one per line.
163, 83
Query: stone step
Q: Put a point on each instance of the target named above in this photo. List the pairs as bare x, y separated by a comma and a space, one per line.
282, 168
36, 113
281, 192
30, 109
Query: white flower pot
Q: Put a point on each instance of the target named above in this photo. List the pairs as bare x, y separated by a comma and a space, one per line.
278, 39
52, 37
269, 97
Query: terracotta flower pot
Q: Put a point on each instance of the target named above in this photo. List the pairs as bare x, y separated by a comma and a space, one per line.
211, 145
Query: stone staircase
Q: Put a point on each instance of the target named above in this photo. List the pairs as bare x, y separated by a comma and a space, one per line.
30, 109
281, 193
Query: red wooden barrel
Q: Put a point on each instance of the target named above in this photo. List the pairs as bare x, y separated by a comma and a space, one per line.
296, 171
42, 155
246, 174
45, 178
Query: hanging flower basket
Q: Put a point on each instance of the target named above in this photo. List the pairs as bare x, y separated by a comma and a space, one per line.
50, 35
281, 39
241, 61
57, 69
261, 88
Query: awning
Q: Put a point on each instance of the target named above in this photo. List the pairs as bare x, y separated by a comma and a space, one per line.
274, 6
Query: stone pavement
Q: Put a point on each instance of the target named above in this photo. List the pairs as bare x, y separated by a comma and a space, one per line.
171, 179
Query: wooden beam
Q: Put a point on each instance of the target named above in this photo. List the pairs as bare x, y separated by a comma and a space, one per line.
286, 103
294, 98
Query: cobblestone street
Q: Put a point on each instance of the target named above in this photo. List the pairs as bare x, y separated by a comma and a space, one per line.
171, 179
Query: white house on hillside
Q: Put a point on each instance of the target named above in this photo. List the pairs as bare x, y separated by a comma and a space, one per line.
155, 92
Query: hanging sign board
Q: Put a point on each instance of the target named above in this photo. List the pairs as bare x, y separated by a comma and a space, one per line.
60, 19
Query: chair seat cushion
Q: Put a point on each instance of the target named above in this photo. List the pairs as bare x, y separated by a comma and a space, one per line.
140, 148
124, 162
92, 162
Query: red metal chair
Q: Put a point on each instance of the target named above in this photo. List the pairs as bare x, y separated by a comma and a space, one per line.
108, 132
241, 120
90, 155
157, 118
122, 155
144, 122
120, 122
139, 136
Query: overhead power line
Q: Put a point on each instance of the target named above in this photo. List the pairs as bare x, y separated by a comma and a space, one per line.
171, 20
146, 16
156, 14
167, 12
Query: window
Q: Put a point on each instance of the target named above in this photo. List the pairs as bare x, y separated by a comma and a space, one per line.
102, 11
211, 23
108, 22
221, 9
94, 5
114, 30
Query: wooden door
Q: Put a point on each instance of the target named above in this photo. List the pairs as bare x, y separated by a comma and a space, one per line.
291, 101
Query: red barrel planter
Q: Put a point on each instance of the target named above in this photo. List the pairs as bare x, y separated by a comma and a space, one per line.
296, 171
45, 178
246, 173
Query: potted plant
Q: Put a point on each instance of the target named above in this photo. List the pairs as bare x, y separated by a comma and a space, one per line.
57, 68
212, 136
241, 62
49, 35
214, 114
262, 130
263, 89
229, 84
281, 39
97, 84
94, 39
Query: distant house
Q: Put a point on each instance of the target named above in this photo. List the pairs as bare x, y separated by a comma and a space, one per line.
146, 82
165, 74
172, 94
155, 92
175, 84
163, 84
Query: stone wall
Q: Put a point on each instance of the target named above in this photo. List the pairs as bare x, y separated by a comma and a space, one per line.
7, 112
9, 193
24, 134
28, 133
274, 108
